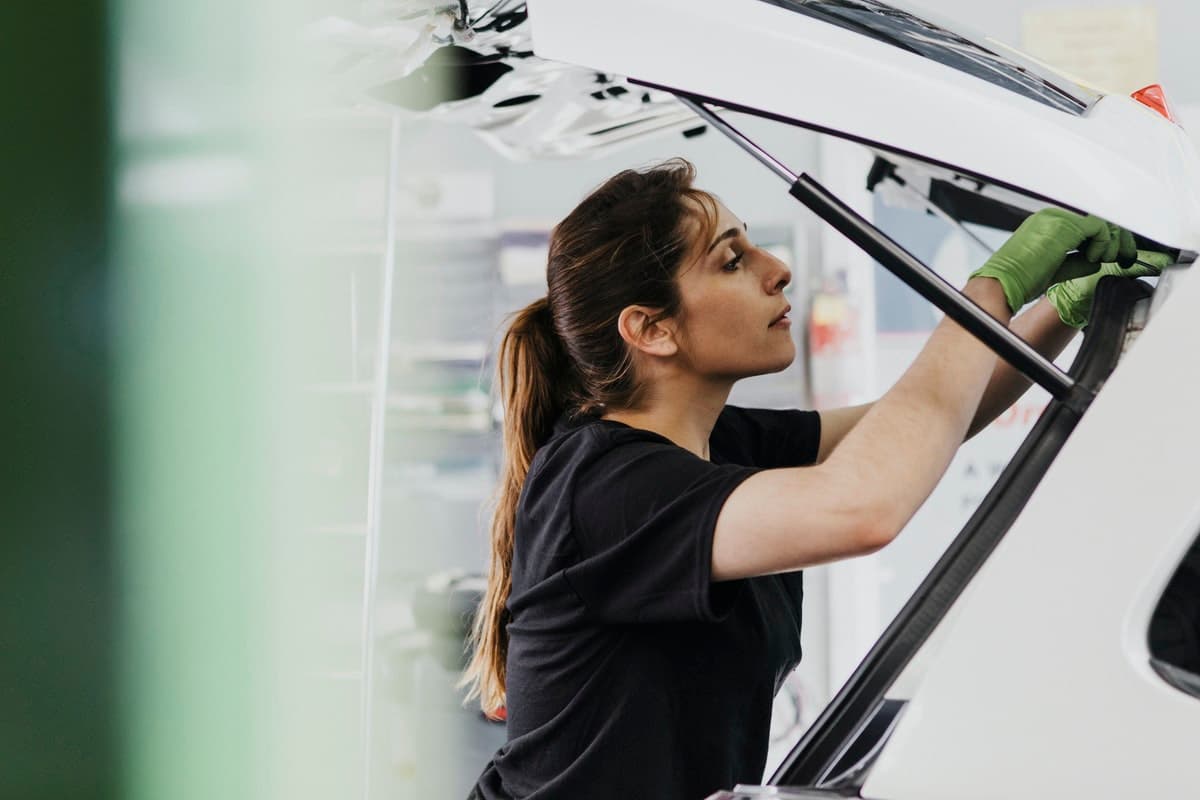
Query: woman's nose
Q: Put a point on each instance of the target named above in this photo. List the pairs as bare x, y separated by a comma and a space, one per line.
776, 274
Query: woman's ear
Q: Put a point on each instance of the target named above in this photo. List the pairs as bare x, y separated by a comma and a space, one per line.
656, 338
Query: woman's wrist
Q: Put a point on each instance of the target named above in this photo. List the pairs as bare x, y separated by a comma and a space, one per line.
988, 294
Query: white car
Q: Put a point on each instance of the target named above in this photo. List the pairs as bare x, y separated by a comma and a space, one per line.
1054, 650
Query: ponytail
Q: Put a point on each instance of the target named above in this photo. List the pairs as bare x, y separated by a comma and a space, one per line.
622, 246
532, 372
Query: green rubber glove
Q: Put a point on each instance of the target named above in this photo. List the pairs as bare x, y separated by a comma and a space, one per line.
1028, 262
1072, 298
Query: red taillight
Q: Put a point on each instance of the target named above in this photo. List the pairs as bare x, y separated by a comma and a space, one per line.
1153, 97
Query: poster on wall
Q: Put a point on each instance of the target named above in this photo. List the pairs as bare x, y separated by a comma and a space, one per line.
1112, 49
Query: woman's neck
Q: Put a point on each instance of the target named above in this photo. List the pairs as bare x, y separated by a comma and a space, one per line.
685, 415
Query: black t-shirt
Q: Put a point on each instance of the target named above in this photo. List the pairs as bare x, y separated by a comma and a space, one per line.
630, 674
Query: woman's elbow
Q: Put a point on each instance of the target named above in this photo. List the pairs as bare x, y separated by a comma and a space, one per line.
864, 518
873, 529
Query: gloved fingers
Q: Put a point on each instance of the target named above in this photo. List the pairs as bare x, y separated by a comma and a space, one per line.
1100, 246
1086, 226
1073, 299
1127, 251
1031, 259
1113, 248
1120, 247
1152, 263
1136, 271
1074, 266
1066, 226
1105, 242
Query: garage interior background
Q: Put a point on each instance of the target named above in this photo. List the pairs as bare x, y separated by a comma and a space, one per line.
297, 461
863, 329
406, 454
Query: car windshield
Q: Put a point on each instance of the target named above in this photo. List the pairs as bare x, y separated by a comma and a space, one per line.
904, 29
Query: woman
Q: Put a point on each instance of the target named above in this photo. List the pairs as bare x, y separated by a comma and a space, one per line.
643, 603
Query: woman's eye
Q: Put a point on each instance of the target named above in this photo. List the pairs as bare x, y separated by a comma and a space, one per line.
732, 264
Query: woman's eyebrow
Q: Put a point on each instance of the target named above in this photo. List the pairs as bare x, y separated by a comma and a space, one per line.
729, 234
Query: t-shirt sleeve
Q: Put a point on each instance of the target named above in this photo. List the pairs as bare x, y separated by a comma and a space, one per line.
644, 515
767, 438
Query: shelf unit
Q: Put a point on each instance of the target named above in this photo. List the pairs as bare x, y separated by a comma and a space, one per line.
408, 442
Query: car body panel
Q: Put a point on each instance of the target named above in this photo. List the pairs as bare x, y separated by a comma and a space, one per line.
1119, 159
1044, 667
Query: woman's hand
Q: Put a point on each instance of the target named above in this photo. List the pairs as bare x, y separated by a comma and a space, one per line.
1072, 297
1029, 261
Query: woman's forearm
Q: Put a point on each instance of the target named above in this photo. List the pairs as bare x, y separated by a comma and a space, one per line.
1046, 333
900, 448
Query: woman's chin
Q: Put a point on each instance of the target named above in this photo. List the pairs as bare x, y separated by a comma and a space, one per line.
787, 360
775, 365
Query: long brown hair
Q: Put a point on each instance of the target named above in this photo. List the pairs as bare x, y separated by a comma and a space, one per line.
621, 246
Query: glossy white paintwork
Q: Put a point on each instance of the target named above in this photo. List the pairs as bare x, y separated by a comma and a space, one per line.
1041, 686
1120, 160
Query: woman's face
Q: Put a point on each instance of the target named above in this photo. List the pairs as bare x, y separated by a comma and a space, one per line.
732, 293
